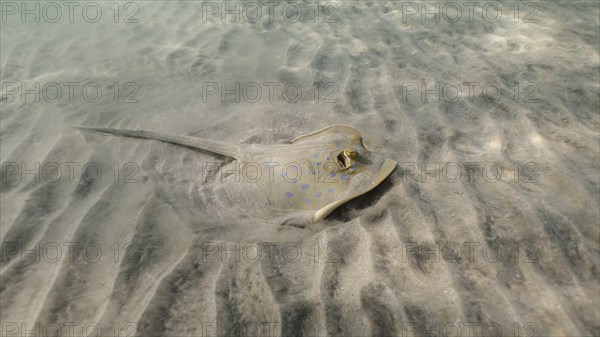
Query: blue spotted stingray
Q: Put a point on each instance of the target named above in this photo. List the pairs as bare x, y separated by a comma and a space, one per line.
294, 182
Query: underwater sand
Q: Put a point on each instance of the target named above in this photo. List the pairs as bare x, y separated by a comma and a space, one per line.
153, 247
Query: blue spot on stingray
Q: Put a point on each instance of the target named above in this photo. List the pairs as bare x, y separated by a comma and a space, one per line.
354, 166
332, 175
344, 176
289, 194
328, 158
305, 186
331, 189
319, 194
308, 201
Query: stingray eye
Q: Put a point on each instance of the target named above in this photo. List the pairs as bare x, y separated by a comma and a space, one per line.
352, 154
346, 158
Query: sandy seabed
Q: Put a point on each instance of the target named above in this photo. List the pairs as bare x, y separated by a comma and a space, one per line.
119, 237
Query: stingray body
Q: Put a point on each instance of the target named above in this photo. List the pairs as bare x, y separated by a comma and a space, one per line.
297, 182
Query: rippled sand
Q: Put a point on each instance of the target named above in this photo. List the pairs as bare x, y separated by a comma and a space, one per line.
153, 247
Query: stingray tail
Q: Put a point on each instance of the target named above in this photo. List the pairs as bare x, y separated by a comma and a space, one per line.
194, 142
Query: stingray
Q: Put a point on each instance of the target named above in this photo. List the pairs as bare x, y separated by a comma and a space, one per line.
294, 182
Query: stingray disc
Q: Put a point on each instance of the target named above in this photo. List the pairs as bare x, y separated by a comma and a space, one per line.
316, 172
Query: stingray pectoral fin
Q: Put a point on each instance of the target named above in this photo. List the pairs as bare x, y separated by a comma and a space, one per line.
386, 169
194, 142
